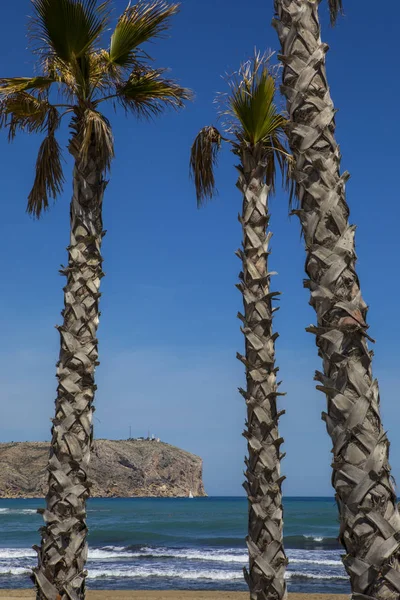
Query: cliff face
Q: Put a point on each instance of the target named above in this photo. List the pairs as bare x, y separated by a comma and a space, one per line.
123, 468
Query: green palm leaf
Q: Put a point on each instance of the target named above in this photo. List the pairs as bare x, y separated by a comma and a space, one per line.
146, 93
137, 25
251, 102
256, 119
68, 28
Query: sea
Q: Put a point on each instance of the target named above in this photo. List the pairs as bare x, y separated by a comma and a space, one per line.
179, 543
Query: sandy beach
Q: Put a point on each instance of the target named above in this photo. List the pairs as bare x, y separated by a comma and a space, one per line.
167, 595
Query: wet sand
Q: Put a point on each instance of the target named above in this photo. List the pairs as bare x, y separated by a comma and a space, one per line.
167, 595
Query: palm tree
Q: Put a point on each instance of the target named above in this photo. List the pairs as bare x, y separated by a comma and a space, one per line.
76, 76
369, 518
255, 133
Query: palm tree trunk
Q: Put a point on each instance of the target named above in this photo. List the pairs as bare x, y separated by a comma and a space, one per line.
369, 518
60, 574
267, 560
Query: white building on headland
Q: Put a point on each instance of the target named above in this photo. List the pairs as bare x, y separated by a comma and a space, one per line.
143, 439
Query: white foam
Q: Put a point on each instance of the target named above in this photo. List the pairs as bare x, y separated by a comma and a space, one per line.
310, 561
188, 554
139, 572
18, 511
16, 552
225, 556
301, 575
211, 574
208, 555
315, 538
98, 553
14, 570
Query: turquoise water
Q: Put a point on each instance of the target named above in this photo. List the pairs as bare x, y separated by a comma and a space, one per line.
179, 543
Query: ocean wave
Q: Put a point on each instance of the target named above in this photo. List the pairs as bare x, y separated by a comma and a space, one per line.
18, 511
16, 553
226, 556
230, 555
117, 552
211, 574
302, 575
328, 558
14, 570
312, 561
99, 553
141, 572
137, 572
310, 541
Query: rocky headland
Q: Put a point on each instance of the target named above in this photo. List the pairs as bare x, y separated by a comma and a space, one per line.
119, 468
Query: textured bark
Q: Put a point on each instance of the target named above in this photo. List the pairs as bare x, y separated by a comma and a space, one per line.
60, 574
267, 559
369, 518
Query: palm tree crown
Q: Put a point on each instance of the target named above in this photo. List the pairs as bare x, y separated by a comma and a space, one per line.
66, 37
251, 119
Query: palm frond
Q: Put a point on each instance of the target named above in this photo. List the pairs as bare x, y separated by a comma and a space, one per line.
138, 24
254, 119
100, 79
67, 74
67, 28
96, 132
146, 93
12, 85
251, 102
25, 112
335, 8
203, 159
49, 176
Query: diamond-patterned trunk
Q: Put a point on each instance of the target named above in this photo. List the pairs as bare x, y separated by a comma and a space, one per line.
60, 574
369, 517
267, 560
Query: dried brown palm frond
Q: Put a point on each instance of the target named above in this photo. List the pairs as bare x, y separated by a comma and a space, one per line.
14, 85
96, 131
335, 8
49, 176
23, 111
203, 158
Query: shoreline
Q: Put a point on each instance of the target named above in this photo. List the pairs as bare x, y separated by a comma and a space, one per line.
167, 595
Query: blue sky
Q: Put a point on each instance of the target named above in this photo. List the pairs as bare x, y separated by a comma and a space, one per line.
168, 332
